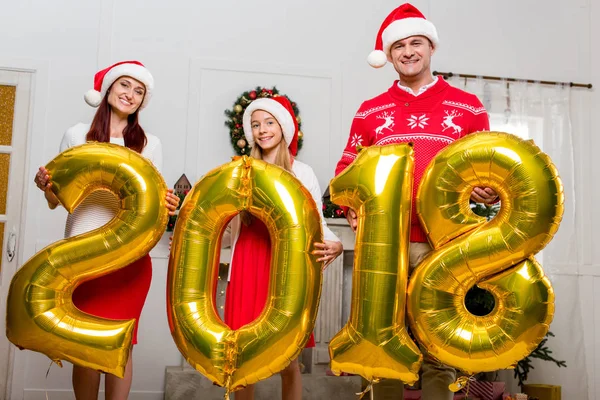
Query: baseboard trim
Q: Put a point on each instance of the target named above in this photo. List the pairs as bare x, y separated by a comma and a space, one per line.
40, 394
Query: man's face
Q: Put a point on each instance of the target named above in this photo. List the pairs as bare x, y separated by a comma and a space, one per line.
411, 56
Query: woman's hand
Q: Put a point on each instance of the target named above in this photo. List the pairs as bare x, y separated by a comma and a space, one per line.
172, 201
328, 251
44, 183
42, 179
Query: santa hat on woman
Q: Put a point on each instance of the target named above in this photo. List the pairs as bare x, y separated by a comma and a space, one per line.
280, 108
403, 22
105, 78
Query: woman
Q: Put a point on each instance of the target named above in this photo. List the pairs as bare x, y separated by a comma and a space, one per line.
120, 91
271, 129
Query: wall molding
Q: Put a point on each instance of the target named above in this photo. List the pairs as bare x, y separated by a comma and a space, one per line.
197, 66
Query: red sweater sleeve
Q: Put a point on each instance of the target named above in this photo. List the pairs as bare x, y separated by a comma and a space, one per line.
358, 137
481, 121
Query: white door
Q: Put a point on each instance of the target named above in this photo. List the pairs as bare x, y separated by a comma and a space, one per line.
14, 116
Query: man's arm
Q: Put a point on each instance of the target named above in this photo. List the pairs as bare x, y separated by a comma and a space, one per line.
481, 122
358, 137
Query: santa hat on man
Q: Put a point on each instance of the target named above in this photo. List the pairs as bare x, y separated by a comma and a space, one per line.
280, 108
403, 22
103, 79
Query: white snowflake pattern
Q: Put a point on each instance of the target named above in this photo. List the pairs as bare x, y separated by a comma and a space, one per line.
415, 121
356, 140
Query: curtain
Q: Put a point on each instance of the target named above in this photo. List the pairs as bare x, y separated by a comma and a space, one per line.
543, 113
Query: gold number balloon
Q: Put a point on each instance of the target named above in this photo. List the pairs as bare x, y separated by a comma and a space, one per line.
496, 255
267, 345
40, 313
374, 343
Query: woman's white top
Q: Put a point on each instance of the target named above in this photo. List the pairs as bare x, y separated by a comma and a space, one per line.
306, 175
100, 206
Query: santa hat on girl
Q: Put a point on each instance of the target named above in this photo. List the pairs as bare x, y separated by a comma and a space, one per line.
403, 22
103, 79
280, 108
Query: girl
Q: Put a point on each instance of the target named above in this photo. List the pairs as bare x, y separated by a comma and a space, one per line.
121, 91
271, 129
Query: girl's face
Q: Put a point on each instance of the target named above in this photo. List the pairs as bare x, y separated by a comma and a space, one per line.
265, 130
126, 95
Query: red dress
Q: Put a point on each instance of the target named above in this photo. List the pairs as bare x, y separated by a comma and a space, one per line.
118, 295
249, 282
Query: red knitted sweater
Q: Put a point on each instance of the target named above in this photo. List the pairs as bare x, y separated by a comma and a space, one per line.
431, 121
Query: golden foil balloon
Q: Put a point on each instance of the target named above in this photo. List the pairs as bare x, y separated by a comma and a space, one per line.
267, 345
495, 255
374, 343
40, 313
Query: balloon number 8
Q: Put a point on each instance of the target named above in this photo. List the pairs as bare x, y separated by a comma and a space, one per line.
468, 251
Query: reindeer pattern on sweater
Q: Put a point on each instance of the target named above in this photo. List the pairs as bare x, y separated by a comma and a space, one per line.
430, 121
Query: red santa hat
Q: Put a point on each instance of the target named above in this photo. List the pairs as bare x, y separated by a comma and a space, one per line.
280, 108
403, 22
105, 78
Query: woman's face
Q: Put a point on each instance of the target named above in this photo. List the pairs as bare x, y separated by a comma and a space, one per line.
126, 95
265, 130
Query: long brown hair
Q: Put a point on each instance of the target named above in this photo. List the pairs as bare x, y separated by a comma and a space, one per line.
283, 158
133, 134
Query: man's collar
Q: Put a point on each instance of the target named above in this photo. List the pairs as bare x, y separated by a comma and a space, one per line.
422, 89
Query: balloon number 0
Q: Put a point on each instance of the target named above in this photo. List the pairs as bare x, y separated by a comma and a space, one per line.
468, 250
237, 358
40, 313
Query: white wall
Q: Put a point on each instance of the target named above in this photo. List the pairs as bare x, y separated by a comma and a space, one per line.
203, 54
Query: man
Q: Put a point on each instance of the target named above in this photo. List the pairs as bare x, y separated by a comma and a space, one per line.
426, 111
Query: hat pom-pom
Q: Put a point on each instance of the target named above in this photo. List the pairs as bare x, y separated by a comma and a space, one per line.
377, 59
93, 98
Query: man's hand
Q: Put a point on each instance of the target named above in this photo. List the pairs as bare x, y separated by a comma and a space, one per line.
352, 219
484, 195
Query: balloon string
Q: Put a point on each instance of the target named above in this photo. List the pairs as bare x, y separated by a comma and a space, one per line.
47, 373
227, 387
368, 389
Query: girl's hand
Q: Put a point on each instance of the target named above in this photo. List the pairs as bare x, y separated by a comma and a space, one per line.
42, 179
172, 202
328, 251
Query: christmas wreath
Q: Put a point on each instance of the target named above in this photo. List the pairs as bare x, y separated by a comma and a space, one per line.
234, 117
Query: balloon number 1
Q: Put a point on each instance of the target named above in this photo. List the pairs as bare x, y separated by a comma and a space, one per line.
468, 250
374, 343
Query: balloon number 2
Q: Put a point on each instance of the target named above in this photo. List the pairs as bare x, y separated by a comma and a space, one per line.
40, 313
468, 250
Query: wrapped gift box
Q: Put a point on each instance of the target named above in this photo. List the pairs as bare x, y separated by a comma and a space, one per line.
462, 396
516, 396
486, 390
416, 395
542, 392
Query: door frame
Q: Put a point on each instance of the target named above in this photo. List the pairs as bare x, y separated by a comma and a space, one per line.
27, 229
